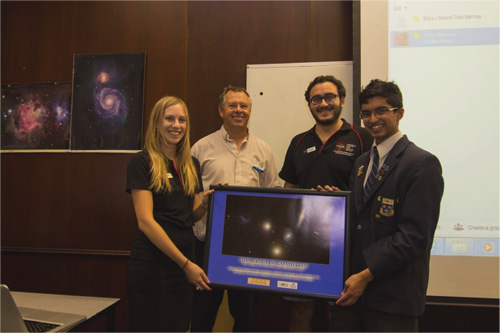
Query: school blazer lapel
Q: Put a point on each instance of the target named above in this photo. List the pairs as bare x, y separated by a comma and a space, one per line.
358, 182
384, 171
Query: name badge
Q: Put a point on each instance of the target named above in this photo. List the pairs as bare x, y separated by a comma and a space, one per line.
310, 150
169, 175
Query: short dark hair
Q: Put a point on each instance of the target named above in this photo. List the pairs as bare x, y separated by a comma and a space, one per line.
379, 88
322, 79
222, 97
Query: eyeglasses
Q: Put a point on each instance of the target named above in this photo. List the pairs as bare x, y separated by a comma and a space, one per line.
316, 100
377, 112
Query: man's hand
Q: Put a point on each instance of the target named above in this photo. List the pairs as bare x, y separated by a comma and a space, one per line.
329, 188
354, 287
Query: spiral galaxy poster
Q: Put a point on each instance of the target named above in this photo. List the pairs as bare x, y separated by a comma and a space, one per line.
107, 102
36, 117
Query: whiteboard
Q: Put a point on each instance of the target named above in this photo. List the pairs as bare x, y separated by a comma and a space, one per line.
279, 108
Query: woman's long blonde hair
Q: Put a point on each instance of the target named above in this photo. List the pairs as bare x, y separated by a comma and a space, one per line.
159, 167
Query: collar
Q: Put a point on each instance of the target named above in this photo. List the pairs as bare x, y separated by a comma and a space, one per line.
385, 147
345, 127
225, 135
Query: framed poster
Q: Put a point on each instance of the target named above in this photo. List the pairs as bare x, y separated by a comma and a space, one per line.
289, 241
108, 92
36, 117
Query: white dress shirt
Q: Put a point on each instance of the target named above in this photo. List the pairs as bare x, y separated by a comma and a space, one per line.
383, 150
222, 162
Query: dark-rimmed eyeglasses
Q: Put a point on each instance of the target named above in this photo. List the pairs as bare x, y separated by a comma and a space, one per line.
365, 114
329, 98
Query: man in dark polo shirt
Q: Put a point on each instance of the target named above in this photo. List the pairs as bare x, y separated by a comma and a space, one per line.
323, 155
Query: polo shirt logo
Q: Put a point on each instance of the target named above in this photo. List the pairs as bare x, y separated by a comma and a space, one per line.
340, 146
343, 148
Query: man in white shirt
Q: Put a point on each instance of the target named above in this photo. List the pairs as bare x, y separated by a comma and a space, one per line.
231, 155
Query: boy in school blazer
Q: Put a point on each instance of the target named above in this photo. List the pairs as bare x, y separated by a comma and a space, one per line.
393, 222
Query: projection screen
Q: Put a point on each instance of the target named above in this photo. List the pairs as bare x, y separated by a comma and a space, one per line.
444, 56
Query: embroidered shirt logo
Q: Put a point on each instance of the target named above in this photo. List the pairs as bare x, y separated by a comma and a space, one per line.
342, 148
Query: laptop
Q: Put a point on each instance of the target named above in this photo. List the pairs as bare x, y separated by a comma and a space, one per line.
34, 320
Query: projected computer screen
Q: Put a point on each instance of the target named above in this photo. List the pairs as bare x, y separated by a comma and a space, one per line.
282, 240
444, 57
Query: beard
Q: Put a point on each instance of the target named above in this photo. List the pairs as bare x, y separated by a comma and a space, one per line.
337, 110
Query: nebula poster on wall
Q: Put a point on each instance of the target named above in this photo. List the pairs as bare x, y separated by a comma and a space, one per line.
36, 117
107, 102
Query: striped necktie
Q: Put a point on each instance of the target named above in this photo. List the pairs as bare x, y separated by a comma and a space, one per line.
373, 174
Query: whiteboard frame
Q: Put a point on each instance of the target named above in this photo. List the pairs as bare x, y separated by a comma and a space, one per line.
279, 108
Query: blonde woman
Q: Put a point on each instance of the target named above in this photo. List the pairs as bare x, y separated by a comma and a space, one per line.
164, 181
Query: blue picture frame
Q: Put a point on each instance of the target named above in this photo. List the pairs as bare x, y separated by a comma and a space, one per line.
288, 241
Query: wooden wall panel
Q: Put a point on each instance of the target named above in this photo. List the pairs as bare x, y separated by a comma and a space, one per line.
67, 224
239, 33
78, 200
330, 37
66, 201
158, 28
35, 36
70, 274
234, 35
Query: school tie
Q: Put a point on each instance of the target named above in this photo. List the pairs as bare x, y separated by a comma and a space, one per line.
373, 174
